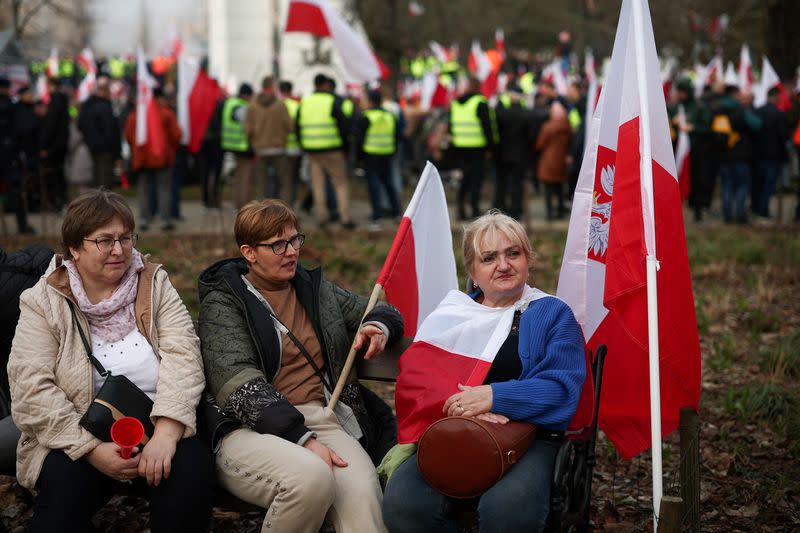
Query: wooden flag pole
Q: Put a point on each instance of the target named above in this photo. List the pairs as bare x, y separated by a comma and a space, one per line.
351, 356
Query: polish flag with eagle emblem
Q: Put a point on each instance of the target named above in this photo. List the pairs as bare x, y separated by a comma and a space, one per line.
619, 218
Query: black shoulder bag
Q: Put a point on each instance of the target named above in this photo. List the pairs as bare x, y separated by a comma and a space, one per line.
118, 397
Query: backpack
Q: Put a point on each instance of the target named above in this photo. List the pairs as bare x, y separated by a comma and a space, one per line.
18, 272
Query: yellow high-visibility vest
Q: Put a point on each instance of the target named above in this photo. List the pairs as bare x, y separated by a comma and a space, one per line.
318, 128
380, 136
291, 107
234, 138
465, 126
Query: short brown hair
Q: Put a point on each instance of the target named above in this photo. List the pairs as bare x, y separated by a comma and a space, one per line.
90, 211
268, 82
485, 228
262, 219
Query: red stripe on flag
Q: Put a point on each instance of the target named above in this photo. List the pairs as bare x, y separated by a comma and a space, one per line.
625, 405
307, 18
428, 376
398, 277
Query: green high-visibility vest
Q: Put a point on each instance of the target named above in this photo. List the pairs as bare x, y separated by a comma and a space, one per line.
505, 101
527, 83
417, 67
292, 106
116, 67
575, 119
318, 128
465, 126
234, 138
380, 137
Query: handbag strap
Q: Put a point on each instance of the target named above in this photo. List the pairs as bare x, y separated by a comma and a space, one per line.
305, 353
95, 363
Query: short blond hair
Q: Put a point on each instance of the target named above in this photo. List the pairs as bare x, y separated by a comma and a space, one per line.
485, 229
261, 219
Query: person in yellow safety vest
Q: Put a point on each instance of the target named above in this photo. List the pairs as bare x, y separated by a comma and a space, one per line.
472, 131
417, 67
234, 140
116, 68
527, 83
576, 105
322, 128
376, 136
293, 151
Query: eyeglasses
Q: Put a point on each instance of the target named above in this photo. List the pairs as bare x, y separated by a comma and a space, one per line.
126, 242
279, 247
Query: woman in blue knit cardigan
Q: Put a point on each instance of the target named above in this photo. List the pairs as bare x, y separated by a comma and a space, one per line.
536, 376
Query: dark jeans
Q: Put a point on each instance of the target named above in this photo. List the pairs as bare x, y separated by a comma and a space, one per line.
210, 175
520, 501
735, 179
471, 163
54, 182
15, 183
71, 492
769, 172
103, 170
554, 190
508, 188
179, 172
379, 178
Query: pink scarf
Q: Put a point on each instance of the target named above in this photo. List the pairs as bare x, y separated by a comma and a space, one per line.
113, 318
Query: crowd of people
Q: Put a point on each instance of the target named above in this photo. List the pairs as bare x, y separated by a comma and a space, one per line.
311, 150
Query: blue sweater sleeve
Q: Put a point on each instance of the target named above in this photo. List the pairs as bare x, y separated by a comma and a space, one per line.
551, 348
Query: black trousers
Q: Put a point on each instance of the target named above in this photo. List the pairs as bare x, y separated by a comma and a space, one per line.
71, 492
508, 188
471, 163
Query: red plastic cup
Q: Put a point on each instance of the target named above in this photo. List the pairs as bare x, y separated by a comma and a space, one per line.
127, 432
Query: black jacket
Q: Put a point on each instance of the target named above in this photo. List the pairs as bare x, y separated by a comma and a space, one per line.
99, 126
54, 135
514, 124
26, 132
770, 143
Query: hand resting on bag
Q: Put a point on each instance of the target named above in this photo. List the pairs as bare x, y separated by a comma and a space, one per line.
471, 401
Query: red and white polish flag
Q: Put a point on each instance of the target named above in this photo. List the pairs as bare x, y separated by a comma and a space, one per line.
149, 130
456, 345
89, 81
745, 70
420, 268
198, 95
613, 228
318, 18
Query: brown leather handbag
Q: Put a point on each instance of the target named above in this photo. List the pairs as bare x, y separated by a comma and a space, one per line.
462, 457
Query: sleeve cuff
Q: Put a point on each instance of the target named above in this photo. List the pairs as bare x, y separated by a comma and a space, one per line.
383, 327
304, 438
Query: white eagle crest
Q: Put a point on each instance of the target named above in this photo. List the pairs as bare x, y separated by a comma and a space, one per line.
598, 229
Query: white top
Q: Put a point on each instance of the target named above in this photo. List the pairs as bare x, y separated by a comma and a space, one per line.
132, 357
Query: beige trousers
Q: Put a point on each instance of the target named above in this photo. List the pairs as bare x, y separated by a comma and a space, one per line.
295, 486
243, 180
335, 166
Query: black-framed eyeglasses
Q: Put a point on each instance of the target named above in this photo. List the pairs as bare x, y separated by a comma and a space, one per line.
279, 247
105, 245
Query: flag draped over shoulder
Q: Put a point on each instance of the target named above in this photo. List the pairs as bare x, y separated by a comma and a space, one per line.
318, 18
456, 344
198, 95
613, 228
420, 268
